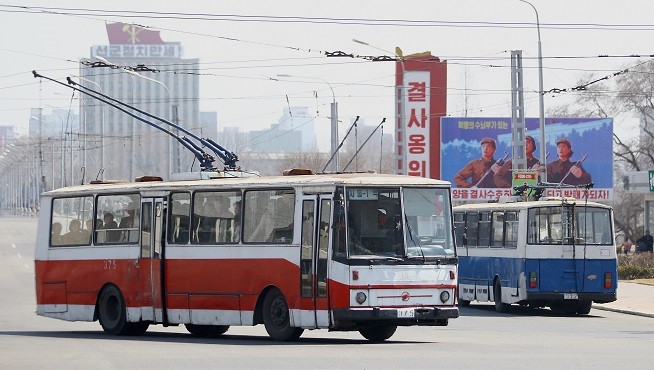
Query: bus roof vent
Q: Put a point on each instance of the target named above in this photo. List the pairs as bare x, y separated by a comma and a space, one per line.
561, 199
508, 199
97, 182
297, 171
148, 178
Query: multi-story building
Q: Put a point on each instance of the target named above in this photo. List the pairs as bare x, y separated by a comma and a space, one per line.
139, 69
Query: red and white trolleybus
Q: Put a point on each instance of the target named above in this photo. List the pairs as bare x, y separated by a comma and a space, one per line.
343, 252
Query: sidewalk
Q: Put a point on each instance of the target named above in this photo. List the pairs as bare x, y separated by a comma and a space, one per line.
633, 299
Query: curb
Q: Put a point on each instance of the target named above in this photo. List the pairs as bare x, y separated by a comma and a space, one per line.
620, 310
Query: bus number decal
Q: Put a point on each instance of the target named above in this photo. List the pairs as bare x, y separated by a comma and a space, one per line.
110, 264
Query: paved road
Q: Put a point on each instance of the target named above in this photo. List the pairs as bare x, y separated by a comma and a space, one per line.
480, 338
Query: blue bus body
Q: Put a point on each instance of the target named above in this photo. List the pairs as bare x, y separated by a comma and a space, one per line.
557, 253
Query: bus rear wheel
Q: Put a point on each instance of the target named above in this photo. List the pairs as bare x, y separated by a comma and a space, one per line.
497, 293
276, 317
378, 333
112, 312
207, 331
584, 307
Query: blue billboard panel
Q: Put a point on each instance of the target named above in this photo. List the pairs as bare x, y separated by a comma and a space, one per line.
476, 155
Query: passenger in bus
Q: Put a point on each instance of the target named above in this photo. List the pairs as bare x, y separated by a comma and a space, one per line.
264, 230
112, 234
203, 222
283, 218
99, 235
55, 234
74, 234
88, 231
128, 224
221, 228
236, 234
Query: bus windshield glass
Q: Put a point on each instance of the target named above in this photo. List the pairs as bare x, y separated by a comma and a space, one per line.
377, 226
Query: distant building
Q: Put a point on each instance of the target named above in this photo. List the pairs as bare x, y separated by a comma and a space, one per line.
369, 154
133, 148
7, 136
299, 119
275, 140
59, 124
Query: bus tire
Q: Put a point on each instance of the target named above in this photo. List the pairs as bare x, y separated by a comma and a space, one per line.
207, 331
112, 312
276, 317
136, 328
497, 293
378, 333
584, 307
464, 303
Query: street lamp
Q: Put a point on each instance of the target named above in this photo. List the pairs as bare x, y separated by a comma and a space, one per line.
334, 119
131, 141
543, 158
102, 156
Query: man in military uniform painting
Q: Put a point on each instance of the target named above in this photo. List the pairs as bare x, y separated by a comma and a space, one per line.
563, 171
503, 177
479, 172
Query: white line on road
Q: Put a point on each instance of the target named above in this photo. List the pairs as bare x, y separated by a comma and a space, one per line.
19, 256
13, 245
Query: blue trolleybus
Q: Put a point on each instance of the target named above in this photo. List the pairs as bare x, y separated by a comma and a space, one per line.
554, 252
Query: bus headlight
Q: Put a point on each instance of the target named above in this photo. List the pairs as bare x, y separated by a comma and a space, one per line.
361, 297
445, 296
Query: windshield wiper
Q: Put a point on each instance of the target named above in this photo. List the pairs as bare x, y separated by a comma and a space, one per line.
415, 244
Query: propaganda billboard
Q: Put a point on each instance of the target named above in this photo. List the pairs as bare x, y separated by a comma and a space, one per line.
476, 156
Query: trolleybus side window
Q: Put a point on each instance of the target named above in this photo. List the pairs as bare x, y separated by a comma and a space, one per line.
180, 219
71, 221
472, 222
484, 229
269, 216
459, 228
511, 229
213, 220
498, 230
117, 219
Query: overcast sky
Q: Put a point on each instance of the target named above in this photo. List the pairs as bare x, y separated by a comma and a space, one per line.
242, 57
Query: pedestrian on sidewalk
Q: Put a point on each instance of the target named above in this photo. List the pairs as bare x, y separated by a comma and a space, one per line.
645, 243
626, 245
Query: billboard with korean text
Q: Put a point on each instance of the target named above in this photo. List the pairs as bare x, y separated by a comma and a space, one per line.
476, 156
421, 99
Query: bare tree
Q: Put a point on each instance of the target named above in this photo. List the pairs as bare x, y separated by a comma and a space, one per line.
627, 93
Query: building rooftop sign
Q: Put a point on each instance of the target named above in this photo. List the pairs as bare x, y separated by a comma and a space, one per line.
132, 41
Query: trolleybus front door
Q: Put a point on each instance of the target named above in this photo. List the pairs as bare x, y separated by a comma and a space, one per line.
150, 261
315, 241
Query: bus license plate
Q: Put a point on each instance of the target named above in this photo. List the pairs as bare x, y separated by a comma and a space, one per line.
570, 296
406, 312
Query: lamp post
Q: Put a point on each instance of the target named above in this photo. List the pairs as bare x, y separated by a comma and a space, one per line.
334, 119
102, 156
543, 159
168, 141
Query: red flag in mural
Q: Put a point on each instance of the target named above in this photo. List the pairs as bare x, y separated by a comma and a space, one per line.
121, 34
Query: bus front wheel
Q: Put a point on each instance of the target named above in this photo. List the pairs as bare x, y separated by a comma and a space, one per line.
276, 317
